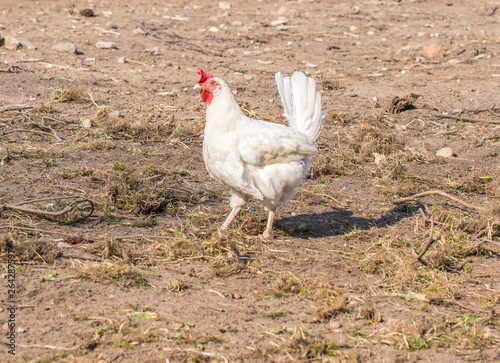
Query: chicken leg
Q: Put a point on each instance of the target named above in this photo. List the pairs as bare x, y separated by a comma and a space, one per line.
230, 217
269, 227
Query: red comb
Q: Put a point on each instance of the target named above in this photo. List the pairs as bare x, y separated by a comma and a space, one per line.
204, 75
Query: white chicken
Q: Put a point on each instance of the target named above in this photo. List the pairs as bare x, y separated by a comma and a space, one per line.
259, 159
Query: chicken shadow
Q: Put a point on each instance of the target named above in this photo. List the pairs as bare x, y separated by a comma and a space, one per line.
337, 222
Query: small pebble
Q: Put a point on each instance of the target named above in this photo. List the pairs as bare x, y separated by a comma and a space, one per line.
157, 50
111, 25
122, 60
64, 244
139, 31
278, 22
433, 51
213, 29
88, 13
224, 5
445, 152
87, 123
114, 115
237, 23
11, 43
105, 45
283, 27
66, 47
26, 44
335, 324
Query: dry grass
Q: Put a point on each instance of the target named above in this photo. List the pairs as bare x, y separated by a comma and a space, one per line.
328, 300
107, 272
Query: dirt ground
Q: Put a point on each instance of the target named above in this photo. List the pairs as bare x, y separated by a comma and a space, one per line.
148, 276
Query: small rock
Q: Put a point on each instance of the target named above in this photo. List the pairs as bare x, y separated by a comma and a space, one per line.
26, 44
224, 5
400, 127
88, 13
140, 31
433, 51
445, 152
172, 92
111, 25
278, 22
66, 47
311, 65
213, 29
237, 23
421, 34
5, 326
122, 60
335, 324
20, 330
264, 62
237, 296
64, 244
1, 310
283, 27
11, 43
87, 124
105, 45
114, 115
157, 50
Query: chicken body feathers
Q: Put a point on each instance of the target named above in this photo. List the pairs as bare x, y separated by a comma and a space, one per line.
259, 159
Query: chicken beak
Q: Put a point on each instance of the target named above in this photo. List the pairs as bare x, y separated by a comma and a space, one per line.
198, 86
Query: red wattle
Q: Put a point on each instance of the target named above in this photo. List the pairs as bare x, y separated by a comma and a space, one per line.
206, 96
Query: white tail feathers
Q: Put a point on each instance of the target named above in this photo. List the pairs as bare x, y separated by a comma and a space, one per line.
301, 103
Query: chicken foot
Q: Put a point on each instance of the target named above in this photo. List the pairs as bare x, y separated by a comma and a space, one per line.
269, 227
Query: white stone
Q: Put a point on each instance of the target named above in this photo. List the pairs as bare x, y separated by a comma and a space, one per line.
278, 22
11, 43
139, 31
105, 45
445, 152
213, 29
224, 5
87, 124
67, 47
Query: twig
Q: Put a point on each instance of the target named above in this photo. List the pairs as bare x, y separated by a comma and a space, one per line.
43, 126
12, 69
37, 230
216, 292
65, 210
437, 74
25, 106
468, 119
443, 194
48, 347
31, 131
427, 243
